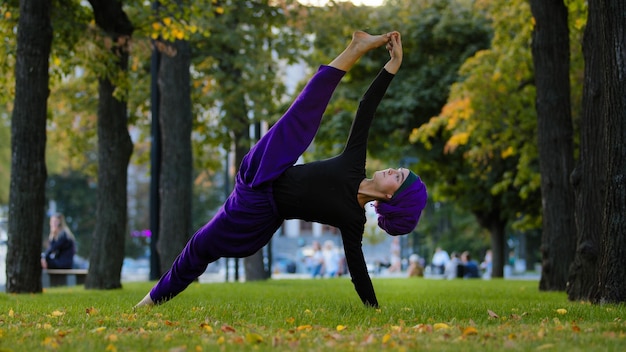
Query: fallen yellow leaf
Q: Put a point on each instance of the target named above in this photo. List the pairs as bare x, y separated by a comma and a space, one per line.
254, 338
57, 313
11, 313
441, 326
50, 342
304, 327
470, 330
386, 338
341, 327
561, 311
206, 327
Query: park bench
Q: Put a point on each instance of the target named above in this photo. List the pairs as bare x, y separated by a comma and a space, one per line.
63, 277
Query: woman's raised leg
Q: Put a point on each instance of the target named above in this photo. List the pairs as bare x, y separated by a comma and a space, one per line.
293, 133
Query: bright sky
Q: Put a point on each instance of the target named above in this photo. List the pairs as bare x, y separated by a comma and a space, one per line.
356, 2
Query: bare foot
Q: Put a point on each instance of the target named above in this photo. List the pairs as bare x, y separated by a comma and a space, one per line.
363, 42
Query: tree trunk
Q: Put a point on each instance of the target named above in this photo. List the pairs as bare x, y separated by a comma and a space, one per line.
550, 47
608, 18
114, 151
588, 177
175, 119
496, 228
28, 145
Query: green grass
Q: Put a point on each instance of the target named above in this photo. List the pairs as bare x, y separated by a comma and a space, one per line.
313, 315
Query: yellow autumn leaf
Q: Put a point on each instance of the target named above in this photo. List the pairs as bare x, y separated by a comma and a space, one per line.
112, 338
470, 330
561, 311
167, 21
219, 10
177, 33
307, 311
57, 313
341, 327
50, 342
290, 320
11, 313
206, 327
304, 327
386, 338
111, 348
507, 152
220, 340
99, 329
156, 26
154, 35
441, 326
252, 337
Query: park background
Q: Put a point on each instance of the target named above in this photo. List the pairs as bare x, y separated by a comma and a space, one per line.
462, 114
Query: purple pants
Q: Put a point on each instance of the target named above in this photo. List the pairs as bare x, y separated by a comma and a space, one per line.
248, 219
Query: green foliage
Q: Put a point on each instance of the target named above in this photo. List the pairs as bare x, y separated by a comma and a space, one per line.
319, 315
488, 122
437, 36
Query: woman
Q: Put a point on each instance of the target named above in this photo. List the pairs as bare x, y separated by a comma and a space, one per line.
270, 189
61, 245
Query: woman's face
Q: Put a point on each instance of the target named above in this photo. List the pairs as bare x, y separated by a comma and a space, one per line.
55, 222
388, 181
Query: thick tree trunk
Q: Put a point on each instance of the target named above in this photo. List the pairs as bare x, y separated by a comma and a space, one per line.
550, 49
114, 151
28, 144
609, 17
175, 119
589, 176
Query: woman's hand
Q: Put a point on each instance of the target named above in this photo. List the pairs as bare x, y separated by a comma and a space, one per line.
394, 46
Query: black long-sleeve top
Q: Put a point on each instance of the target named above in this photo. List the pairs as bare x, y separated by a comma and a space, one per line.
326, 191
60, 253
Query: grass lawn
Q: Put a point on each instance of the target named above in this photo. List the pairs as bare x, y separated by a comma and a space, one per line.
313, 315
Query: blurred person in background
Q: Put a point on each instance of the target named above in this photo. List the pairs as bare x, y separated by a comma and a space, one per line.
61, 245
